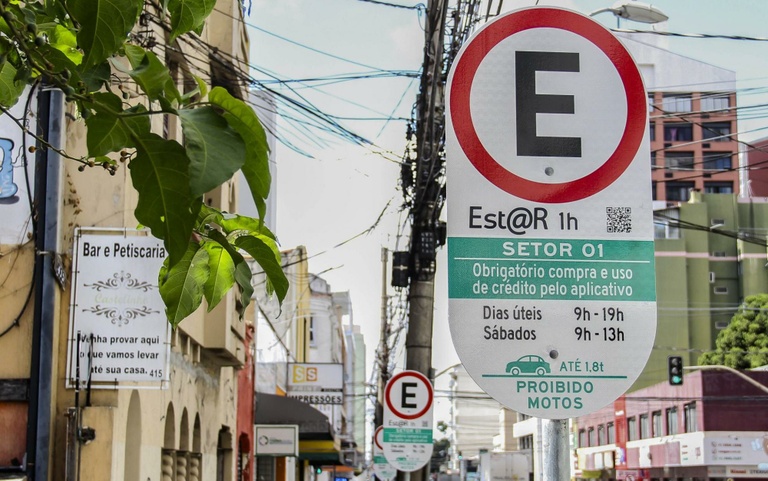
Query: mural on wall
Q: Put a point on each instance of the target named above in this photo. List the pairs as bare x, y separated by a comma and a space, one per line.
15, 176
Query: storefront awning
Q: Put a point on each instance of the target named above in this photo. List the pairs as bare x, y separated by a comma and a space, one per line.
273, 409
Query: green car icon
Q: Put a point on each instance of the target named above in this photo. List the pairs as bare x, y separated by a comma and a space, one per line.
529, 364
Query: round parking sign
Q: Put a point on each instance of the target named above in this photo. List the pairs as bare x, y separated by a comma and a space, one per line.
599, 53
407, 429
551, 267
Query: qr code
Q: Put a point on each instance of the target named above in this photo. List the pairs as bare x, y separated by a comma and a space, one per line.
618, 219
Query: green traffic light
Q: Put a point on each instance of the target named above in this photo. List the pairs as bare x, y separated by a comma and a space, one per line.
675, 370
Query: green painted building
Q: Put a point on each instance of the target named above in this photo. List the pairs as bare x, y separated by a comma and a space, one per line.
710, 255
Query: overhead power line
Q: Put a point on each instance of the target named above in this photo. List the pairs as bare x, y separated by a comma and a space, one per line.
418, 6
691, 35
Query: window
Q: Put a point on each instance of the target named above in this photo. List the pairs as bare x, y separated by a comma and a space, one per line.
652, 129
678, 132
678, 160
671, 421
591, 437
601, 435
653, 159
645, 427
312, 337
632, 429
656, 424
610, 429
721, 290
689, 413
679, 191
717, 161
716, 131
265, 468
655, 196
676, 103
651, 102
662, 227
718, 187
715, 102
583, 442
526, 442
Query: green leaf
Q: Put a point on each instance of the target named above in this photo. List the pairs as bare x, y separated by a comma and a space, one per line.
267, 256
243, 277
10, 88
188, 15
235, 224
153, 77
4, 28
222, 273
95, 77
60, 62
243, 119
104, 26
242, 271
215, 151
201, 85
232, 223
160, 174
64, 40
181, 286
110, 132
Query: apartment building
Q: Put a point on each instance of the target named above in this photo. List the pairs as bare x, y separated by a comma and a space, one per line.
710, 255
692, 114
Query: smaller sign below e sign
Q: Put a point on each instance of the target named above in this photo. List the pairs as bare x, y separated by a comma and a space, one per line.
276, 439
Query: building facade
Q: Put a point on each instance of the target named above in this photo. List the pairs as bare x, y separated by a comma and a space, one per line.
693, 124
183, 428
757, 173
310, 348
710, 255
710, 428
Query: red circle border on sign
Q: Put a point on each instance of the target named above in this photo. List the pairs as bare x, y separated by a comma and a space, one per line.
376, 437
422, 378
461, 115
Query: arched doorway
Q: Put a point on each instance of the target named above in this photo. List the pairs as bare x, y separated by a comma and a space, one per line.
168, 460
132, 459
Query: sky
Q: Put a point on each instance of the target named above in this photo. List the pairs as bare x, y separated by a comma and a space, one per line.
330, 190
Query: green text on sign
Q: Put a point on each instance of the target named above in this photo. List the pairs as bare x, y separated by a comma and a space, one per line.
553, 269
407, 435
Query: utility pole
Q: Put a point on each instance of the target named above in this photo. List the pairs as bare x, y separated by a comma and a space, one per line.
383, 351
428, 199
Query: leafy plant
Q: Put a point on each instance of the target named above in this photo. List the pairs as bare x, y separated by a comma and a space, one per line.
744, 343
78, 46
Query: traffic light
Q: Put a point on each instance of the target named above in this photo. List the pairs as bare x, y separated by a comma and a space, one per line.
675, 370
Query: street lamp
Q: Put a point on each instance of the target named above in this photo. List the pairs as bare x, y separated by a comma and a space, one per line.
635, 11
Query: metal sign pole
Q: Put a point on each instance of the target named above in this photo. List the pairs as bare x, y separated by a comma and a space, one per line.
556, 465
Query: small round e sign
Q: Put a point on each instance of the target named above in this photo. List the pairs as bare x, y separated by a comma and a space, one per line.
407, 428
